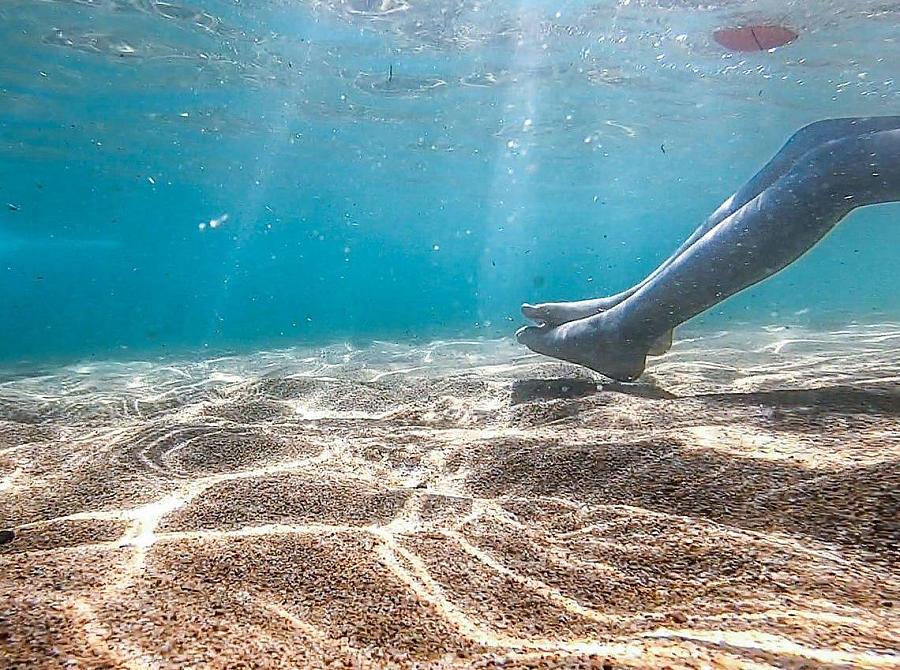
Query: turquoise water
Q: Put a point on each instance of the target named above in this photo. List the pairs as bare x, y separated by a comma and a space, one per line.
231, 176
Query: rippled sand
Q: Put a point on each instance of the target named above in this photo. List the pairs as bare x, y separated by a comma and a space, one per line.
458, 505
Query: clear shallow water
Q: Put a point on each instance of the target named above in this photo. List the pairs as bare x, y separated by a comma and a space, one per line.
339, 207
400, 172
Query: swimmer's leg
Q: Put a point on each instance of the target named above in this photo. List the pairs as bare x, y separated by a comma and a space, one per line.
804, 140
766, 235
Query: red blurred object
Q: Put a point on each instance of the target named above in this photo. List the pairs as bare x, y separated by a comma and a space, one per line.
754, 38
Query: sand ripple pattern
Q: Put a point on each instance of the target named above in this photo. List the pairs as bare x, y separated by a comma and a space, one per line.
458, 505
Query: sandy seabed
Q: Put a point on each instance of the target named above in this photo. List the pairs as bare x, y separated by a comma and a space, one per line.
458, 505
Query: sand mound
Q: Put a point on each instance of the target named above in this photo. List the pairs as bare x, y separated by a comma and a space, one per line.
460, 505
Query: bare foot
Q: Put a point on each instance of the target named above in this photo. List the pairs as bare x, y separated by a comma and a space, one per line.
590, 342
557, 313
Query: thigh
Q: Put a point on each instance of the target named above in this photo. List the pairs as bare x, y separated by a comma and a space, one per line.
808, 139
846, 173
828, 130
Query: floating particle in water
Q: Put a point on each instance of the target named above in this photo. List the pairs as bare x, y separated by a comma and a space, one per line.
630, 132
436, 247
215, 223
151, 180
12, 207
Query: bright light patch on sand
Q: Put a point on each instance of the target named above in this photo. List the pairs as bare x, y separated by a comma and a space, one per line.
6, 482
142, 533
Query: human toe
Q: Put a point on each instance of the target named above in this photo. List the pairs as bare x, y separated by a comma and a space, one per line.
531, 336
537, 313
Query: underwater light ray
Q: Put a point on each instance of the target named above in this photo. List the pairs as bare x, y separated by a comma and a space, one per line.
512, 181
252, 208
